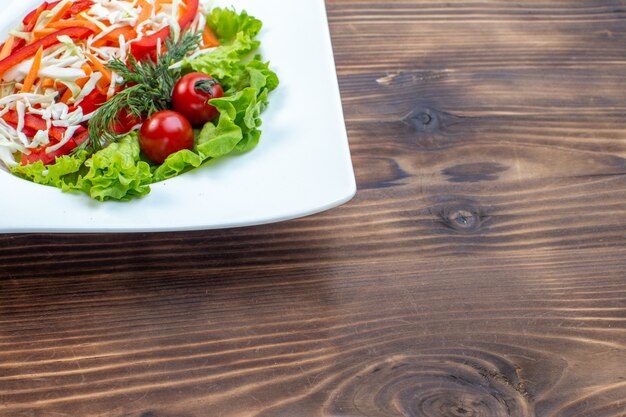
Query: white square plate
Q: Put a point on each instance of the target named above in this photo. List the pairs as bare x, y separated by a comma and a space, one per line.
301, 166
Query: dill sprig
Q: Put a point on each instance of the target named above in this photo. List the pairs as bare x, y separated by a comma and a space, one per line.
148, 89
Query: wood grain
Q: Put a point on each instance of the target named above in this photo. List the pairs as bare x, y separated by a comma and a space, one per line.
478, 272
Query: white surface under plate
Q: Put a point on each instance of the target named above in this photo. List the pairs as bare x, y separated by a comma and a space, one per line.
301, 166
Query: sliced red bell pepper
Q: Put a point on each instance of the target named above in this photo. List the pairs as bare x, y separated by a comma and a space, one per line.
190, 13
29, 23
34, 123
31, 18
146, 46
91, 102
48, 158
94, 100
28, 131
80, 136
75, 8
125, 122
40, 155
47, 41
78, 7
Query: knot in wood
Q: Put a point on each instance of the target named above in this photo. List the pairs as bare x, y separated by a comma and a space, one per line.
462, 217
430, 120
461, 404
425, 121
442, 383
474, 172
424, 118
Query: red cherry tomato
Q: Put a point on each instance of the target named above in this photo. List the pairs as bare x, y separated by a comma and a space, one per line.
191, 94
164, 133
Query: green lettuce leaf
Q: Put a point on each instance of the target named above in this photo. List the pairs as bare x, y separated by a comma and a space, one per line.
116, 172
227, 24
113, 173
176, 164
62, 174
225, 63
261, 76
244, 111
219, 140
232, 63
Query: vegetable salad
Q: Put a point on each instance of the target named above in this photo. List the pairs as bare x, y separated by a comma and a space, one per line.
108, 96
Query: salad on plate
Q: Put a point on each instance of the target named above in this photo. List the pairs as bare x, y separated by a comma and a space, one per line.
107, 97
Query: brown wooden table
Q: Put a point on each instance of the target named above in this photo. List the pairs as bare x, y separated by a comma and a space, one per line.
480, 270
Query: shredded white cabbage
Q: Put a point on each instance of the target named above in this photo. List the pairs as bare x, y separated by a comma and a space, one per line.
89, 86
6, 155
64, 64
41, 139
66, 138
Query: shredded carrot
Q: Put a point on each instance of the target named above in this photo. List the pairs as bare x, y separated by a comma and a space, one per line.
32, 73
102, 89
208, 37
82, 81
68, 93
60, 13
99, 66
65, 98
128, 32
100, 42
81, 16
113, 37
61, 89
158, 4
7, 47
103, 86
40, 33
62, 24
146, 11
107, 76
87, 69
47, 83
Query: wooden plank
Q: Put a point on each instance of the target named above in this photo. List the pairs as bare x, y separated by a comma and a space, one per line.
541, 331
